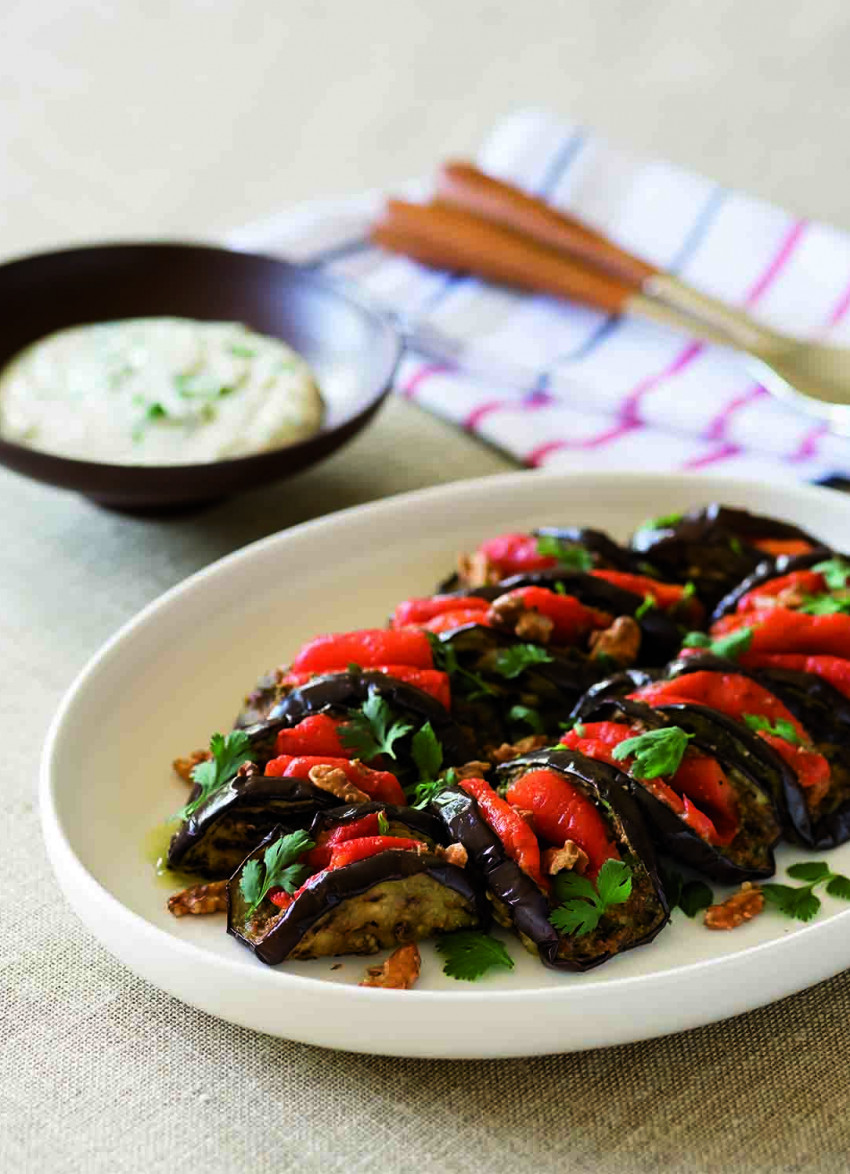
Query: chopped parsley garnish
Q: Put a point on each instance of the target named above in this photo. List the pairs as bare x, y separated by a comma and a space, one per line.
469, 954
647, 604
428, 789
662, 523
229, 752
730, 646
689, 896
278, 869
571, 555
800, 901
383, 824
583, 904
445, 659
371, 731
735, 545
524, 713
510, 662
781, 728
655, 753
835, 571
560, 589
426, 752
825, 605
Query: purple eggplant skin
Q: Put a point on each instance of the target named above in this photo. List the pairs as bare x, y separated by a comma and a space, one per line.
374, 899
605, 552
712, 547
515, 895
732, 747
768, 569
617, 685
232, 822
825, 714
416, 824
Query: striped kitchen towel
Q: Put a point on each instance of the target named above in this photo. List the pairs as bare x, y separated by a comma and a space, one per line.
557, 385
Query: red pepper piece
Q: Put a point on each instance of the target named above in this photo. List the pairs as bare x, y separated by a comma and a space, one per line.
666, 595
377, 784
459, 618
834, 669
561, 812
572, 619
316, 734
513, 554
729, 693
367, 647
353, 850
320, 856
414, 612
777, 546
782, 630
811, 768
804, 582
430, 681
519, 841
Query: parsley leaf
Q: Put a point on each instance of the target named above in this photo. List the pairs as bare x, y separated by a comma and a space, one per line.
800, 902
445, 658
689, 896
647, 604
825, 605
383, 824
583, 905
469, 954
560, 589
429, 789
781, 728
426, 752
571, 555
655, 753
371, 730
229, 752
279, 868
730, 646
523, 713
835, 571
510, 662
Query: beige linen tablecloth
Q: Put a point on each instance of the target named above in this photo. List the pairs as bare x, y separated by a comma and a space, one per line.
100, 1072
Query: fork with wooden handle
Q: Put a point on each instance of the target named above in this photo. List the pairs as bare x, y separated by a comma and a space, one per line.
477, 224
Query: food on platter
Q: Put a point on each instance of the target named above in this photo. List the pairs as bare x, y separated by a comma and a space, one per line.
541, 744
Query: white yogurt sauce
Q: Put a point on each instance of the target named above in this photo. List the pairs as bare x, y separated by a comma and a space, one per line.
158, 391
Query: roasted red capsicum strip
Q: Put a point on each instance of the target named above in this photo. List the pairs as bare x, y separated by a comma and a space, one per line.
798, 583
430, 681
783, 630
519, 841
377, 784
572, 619
317, 734
415, 612
699, 791
834, 669
449, 621
666, 595
513, 554
348, 852
560, 812
777, 546
366, 647
320, 856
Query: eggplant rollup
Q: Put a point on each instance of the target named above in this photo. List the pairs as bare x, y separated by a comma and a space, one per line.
715, 547
402, 821
713, 808
768, 570
376, 903
527, 903
236, 818
817, 801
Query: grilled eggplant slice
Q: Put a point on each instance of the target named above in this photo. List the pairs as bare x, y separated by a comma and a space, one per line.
382, 901
232, 822
520, 904
617, 685
714, 547
747, 856
403, 821
768, 569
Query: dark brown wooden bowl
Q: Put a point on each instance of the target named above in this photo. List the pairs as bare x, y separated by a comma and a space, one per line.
351, 347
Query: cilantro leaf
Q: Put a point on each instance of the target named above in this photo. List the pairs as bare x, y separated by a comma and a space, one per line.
523, 713
428, 789
614, 883
655, 753
571, 555
575, 918
371, 730
583, 904
647, 604
825, 605
510, 662
427, 752
229, 752
839, 886
835, 571
560, 589
781, 728
570, 884
469, 954
809, 870
731, 645
445, 658
695, 896
672, 882
278, 868
800, 904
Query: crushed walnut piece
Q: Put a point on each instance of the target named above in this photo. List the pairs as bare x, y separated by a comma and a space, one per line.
570, 858
399, 972
508, 751
471, 770
207, 898
183, 767
476, 570
247, 770
333, 779
620, 642
510, 614
454, 854
742, 906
